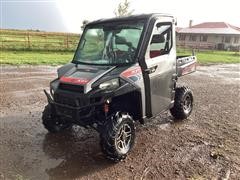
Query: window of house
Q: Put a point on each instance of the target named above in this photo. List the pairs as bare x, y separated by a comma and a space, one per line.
182, 37
192, 38
227, 39
161, 42
222, 39
236, 40
203, 38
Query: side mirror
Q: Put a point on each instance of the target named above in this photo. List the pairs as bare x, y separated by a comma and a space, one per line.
158, 38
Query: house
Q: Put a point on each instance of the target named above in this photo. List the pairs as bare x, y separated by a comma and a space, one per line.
209, 35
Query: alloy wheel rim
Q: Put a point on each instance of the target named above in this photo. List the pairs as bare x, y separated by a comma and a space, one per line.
187, 104
123, 140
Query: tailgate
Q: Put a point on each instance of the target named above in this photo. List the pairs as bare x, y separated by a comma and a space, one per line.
186, 65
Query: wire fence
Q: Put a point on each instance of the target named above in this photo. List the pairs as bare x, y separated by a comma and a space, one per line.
26, 40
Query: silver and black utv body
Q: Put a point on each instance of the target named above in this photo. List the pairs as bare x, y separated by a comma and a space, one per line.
124, 70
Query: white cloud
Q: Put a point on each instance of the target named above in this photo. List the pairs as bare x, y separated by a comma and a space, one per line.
75, 11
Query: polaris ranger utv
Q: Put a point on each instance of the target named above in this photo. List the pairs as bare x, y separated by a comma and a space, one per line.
124, 70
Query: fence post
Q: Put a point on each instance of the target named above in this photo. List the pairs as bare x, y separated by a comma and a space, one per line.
29, 43
67, 45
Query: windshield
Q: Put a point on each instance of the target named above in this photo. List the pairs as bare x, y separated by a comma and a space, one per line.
109, 44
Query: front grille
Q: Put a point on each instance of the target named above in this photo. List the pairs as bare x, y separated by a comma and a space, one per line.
82, 102
70, 100
65, 100
65, 111
71, 87
69, 113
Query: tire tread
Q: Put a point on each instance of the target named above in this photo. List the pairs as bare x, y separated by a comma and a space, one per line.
177, 110
107, 137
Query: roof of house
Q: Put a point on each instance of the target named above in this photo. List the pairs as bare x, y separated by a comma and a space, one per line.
212, 28
178, 29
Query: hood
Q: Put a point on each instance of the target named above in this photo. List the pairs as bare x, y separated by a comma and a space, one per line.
84, 75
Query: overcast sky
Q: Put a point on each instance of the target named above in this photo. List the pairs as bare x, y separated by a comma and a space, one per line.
67, 15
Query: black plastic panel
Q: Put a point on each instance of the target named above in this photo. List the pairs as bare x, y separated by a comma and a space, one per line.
71, 87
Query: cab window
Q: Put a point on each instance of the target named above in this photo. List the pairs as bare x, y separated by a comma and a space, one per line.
161, 42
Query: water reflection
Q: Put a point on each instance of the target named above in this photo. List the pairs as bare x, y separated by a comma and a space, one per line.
80, 153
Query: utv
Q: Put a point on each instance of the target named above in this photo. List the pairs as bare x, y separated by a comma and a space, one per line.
124, 70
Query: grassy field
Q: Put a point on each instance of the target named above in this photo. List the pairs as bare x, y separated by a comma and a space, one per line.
20, 47
56, 58
30, 47
35, 57
35, 40
211, 57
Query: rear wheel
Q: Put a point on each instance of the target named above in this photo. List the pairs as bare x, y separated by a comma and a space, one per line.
183, 104
51, 123
117, 137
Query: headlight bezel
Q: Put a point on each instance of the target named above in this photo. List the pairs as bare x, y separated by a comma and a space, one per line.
110, 84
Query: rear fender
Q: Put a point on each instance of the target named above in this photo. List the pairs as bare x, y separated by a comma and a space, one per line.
186, 65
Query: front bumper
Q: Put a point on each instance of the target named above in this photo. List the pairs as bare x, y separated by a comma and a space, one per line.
84, 115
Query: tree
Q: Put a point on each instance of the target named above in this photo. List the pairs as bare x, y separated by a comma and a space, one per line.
84, 23
123, 9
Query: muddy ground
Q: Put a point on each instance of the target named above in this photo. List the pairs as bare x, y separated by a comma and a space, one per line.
206, 145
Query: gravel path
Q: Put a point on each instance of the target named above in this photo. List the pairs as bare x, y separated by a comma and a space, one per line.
207, 145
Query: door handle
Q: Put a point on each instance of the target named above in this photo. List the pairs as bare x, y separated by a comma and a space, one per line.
151, 69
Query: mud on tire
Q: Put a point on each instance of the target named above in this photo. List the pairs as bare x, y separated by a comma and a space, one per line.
183, 104
51, 123
117, 137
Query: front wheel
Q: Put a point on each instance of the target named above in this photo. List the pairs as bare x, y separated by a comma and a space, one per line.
51, 123
183, 103
117, 137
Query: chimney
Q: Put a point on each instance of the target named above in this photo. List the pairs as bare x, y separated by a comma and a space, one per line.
190, 23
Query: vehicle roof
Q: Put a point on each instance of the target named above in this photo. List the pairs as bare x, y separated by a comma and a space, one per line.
130, 18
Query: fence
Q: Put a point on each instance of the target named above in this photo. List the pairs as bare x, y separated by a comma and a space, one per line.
199, 45
207, 46
25, 40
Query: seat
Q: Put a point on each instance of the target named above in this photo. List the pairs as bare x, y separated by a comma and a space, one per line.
156, 53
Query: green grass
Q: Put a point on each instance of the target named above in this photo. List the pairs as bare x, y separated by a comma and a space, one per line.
213, 57
20, 47
30, 40
52, 49
61, 57
35, 57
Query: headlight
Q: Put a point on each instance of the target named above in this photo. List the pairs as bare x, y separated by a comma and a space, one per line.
53, 86
112, 84
51, 91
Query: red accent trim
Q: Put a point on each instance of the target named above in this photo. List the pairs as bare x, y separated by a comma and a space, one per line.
131, 72
72, 80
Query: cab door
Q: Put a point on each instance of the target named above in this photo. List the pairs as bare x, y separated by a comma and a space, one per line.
160, 59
